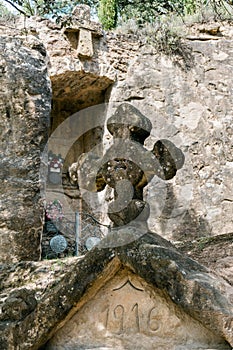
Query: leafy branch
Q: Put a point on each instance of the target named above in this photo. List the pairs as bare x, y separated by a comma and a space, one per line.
16, 7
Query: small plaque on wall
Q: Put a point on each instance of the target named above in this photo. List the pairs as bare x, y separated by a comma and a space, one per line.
55, 164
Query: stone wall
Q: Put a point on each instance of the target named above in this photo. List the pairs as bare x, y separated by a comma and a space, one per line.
191, 106
25, 95
188, 104
77, 82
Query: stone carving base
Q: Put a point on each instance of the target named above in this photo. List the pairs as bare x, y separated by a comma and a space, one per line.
127, 313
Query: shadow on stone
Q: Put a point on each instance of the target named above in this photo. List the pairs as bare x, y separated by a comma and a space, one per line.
192, 227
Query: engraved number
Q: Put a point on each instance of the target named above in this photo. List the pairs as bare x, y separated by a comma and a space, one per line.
152, 323
119, 312
107, 316
118, 315
135, 309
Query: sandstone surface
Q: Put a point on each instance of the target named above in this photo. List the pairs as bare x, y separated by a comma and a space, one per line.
189, 103
25, 94
93, 298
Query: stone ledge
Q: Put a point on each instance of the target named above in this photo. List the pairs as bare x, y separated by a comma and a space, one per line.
60, 285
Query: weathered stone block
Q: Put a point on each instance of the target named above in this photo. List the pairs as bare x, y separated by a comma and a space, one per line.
127, 313
25, 107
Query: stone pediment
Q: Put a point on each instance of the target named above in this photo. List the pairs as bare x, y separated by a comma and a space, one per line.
128, 313
143, 295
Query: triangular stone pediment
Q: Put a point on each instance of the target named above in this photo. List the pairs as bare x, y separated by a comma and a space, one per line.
126, 312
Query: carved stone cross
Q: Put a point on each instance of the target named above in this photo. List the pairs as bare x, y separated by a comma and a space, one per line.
84, 29
127, 166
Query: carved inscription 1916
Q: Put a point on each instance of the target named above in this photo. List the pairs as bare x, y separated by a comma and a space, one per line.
127, 313
131, 315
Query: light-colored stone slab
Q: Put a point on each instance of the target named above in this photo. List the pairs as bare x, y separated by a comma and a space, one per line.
127, 313
85, 45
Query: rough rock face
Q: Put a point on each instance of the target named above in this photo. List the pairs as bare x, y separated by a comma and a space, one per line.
213, 252
80, 81
77, 82
25, 106
191, 107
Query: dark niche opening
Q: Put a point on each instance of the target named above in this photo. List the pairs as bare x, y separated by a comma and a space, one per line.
72, 92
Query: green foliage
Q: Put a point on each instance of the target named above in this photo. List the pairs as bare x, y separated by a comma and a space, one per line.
146, 12
190, 7
107, 13
55, 9
149, 11
5, 14
3, 10
112, 12
207, 10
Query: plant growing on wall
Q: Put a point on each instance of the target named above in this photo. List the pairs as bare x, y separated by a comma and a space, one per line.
107, 13
190, 6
